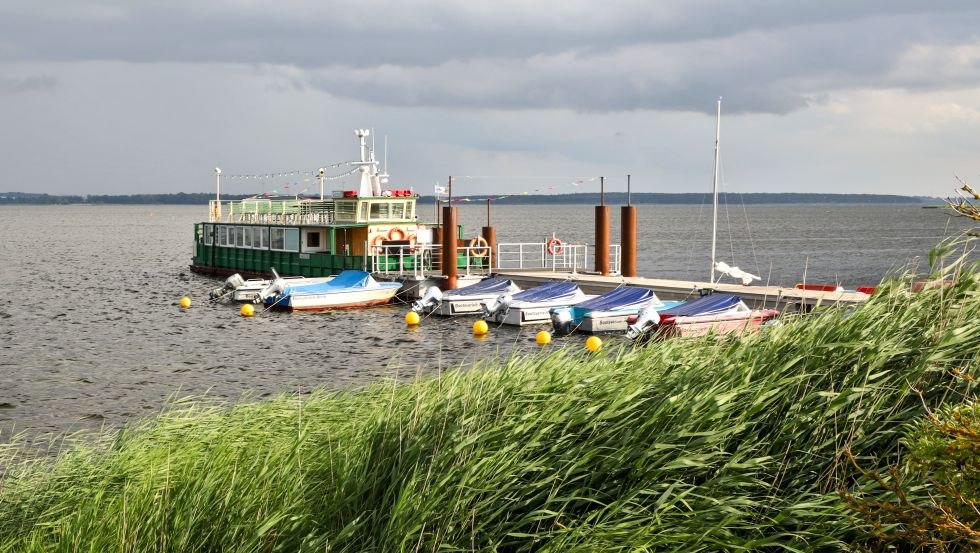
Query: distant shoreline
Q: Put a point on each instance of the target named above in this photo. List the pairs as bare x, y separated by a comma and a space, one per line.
592, 198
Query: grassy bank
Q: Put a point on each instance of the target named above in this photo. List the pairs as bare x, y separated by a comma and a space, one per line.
697, 445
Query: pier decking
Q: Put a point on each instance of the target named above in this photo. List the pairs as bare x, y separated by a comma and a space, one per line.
756, 296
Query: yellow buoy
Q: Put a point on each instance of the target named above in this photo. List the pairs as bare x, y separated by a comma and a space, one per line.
411, 318
185, 302
247, 310
480, 328
543, 338
593, 344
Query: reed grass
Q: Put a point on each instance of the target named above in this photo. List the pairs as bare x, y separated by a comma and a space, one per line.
683, 445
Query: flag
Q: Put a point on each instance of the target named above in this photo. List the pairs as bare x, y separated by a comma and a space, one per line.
440, 190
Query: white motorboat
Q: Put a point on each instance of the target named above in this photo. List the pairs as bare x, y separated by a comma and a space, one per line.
533, 306
347, 290
468, 300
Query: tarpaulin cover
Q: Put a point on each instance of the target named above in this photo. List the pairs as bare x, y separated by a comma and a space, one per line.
547, 292
488, 286
706, 305
620, 298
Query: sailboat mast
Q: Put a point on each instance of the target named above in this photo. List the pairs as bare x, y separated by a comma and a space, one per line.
714, 219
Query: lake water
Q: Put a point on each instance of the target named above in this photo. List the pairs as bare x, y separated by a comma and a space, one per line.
91, 334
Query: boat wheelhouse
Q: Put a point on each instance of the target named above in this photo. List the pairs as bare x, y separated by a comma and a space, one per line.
370, 228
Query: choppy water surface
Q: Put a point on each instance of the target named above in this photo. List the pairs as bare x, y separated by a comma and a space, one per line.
90, 332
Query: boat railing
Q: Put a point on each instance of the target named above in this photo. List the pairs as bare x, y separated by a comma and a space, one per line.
264, 210
535, 256
421, 261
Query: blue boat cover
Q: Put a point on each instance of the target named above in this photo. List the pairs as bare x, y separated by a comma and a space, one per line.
547, 292
619, 298
488, 286
705, 305
346, 280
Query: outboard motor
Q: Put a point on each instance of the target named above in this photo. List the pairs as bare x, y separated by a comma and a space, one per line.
430, 300
561, 320
648, 318
232, 282
274, 287
497, 309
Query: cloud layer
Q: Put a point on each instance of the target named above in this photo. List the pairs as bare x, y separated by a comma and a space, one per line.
767, 56
877, 96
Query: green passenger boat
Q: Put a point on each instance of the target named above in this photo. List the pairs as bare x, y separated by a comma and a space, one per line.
368, 229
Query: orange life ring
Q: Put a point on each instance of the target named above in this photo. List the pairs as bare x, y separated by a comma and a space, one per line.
411, 243
555, 246
396, 232
376, 243
479, 247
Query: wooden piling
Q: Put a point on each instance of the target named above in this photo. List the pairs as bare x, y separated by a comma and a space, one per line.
490, 235
602, 231
450, 238
602, 239
628, 240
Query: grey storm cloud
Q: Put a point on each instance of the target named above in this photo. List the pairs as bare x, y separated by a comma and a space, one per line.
774, 56
26, 84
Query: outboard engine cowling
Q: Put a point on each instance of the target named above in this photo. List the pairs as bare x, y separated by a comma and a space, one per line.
274, 287
497, 309
561, 320
429, 301
232, 282
647, 318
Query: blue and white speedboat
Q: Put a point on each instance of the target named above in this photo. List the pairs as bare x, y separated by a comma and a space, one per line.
716, 313
468, 300
608, 312
533, 306
347, 290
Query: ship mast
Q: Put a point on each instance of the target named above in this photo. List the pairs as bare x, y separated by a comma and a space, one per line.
714, 219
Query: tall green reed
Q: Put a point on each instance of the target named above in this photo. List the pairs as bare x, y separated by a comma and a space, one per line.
731, 444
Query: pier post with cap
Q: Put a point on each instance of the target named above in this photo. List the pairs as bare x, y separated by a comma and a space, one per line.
602, 231
628, 235
449, 241
490, 235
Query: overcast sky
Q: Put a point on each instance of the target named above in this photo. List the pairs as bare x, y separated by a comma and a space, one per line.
117, 97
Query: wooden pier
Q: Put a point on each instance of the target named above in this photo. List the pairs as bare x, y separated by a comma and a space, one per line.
776, 297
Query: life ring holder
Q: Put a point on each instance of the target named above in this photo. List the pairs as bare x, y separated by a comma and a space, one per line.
555, 246
479, 247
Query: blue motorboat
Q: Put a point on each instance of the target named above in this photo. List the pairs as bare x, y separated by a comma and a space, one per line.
715, 313
468, 300
608, 312
533, 306
349, 289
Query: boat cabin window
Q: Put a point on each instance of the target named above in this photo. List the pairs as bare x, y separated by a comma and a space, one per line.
398, 210
222, 236
313, 239
345, 210
208, 236
239, 236
379, 210
248, 237
284, 239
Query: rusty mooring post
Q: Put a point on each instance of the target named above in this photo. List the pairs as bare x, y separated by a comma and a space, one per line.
628, 235
602, 231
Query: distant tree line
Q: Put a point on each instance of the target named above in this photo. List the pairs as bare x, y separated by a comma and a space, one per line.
620, 198
612, 198
180, 198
